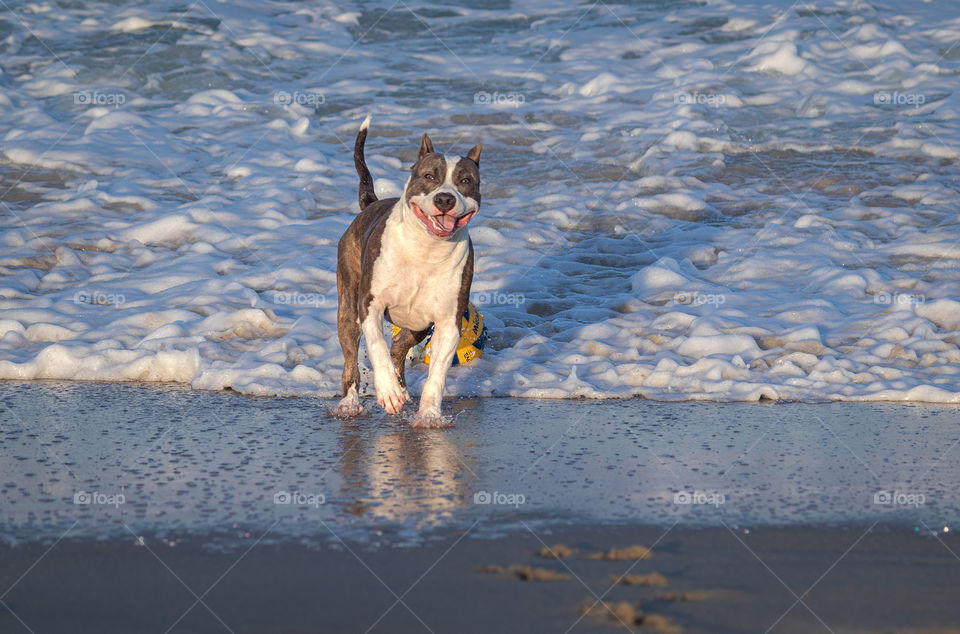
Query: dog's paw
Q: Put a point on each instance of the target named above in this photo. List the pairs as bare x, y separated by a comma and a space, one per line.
430, 419
391, 396
349, 407
347, 411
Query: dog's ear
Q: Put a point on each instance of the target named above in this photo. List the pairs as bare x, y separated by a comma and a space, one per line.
426, 147
474, 153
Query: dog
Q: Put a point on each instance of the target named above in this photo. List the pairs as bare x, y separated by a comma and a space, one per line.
409, 260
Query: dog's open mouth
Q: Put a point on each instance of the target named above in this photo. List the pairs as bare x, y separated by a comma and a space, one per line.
441, 225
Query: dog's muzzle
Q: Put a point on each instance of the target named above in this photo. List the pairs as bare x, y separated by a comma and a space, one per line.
442, 224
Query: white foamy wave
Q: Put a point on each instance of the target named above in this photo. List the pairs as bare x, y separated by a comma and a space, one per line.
720, 202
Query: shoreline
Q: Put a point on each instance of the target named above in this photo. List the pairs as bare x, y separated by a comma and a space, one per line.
196, 461
368, 398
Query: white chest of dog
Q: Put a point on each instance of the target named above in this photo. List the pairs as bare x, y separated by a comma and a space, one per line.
408, 259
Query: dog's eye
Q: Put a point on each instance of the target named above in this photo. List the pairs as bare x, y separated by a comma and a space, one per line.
430, 177
466, 180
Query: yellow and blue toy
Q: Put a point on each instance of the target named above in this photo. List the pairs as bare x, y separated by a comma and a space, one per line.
473, 336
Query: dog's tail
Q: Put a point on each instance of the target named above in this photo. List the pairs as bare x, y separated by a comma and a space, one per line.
367, 195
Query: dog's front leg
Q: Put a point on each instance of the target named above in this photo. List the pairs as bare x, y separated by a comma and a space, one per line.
443, 345
389, 393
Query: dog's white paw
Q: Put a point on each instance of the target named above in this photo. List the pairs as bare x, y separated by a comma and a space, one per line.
390, 395
347, 411
348, 407
430, 419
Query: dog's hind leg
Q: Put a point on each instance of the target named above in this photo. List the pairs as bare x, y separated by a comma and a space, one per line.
400, 346
348, 331
350, 343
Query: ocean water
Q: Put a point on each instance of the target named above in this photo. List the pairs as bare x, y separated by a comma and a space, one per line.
681, 200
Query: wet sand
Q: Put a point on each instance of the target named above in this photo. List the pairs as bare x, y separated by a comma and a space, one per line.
785, 579
121, 505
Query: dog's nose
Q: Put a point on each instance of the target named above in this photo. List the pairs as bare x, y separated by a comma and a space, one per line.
444, 201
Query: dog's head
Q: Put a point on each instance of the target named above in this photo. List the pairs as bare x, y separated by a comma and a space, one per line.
443, 192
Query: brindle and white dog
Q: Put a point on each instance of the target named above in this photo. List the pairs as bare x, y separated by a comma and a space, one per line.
408, 259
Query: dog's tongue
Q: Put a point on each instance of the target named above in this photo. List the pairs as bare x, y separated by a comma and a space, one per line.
446, 221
